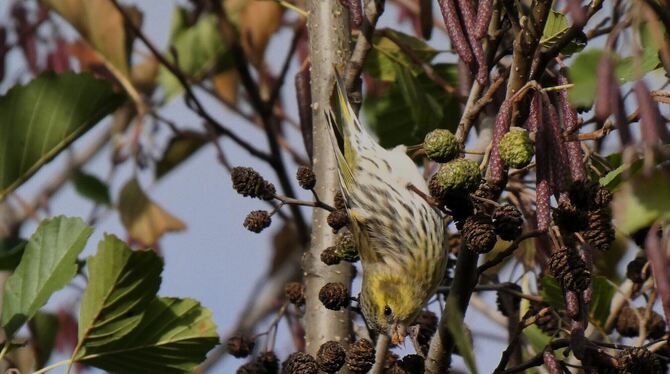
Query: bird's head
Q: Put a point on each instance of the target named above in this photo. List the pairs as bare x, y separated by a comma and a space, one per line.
390, 304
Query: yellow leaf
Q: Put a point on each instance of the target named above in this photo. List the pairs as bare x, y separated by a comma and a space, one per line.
144, 74
145, 221
100, 24
225, 85
258, 21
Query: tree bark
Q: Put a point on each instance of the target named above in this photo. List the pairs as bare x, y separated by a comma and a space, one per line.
329, 48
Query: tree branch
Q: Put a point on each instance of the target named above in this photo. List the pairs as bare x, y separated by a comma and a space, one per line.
329, 38
373, 10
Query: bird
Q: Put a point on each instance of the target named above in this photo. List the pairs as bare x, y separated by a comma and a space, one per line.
399, 235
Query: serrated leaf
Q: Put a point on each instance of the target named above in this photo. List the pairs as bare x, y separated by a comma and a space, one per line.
603, 292
43, 117
385, 54
122, 283
11, 251
456, 328
198, 48
145, 220
178, 150
48, 264
43, 330
640, 201
91, 187
412, 107
173, 336
552, 293
554, 29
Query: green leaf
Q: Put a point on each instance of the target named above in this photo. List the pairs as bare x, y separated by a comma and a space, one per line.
173, 336
48, 264
199, 48
385, 54
551, 292
536, 337
44, 329
583, 74
456, 328
603, 292
412, 107
91, 187
179, 149
627, 69
43, 117
642, 200
616, 169
556, 26
122, 283
11, 251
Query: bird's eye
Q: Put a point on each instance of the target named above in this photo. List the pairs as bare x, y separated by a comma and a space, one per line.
387, 311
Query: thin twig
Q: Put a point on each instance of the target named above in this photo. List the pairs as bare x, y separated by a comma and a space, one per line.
427, 68
373, 10
315, 204
190, 95
508, 251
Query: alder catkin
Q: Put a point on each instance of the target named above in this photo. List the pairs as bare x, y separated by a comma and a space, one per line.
484, 12
455, 31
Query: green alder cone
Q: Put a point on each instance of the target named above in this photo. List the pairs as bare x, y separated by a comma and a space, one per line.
441, 145
458, 176
516, 148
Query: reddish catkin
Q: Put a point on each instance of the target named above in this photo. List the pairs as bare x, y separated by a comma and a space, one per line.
27, 38
557, 157
574, 148
534, 114
659, 266
603, 105
468, 13
551, 363
577, 13
482, 68
503, 119
652, 124
543, 162
469, 19
620, 116
586, 253
355, 11
426, 18
304, 97
572, 304
484, 12
455, 30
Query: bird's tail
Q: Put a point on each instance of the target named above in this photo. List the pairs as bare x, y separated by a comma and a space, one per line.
343, 122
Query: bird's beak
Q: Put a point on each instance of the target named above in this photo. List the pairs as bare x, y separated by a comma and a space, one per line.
398, 333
